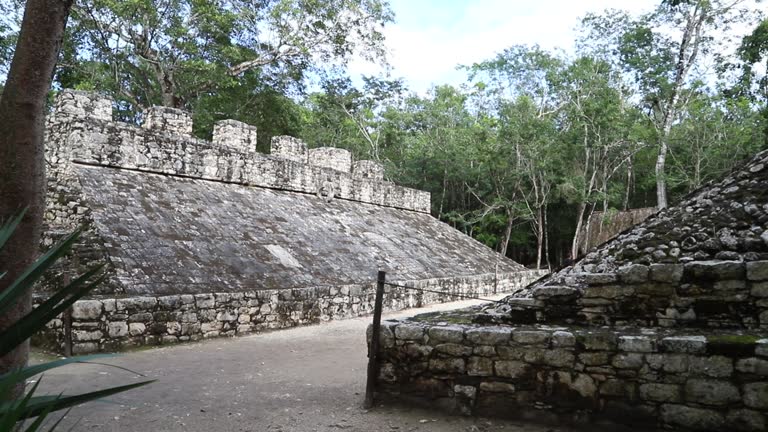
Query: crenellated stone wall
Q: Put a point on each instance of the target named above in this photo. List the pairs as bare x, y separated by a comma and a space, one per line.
81, 132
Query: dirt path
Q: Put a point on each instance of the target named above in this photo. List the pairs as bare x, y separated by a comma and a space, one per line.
304, 379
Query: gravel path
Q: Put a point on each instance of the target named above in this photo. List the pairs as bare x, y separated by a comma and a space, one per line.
303, 379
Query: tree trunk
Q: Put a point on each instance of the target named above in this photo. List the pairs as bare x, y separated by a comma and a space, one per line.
507, 232
539, 237
577, 235
22, 167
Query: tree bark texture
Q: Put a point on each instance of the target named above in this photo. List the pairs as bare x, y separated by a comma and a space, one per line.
22, 164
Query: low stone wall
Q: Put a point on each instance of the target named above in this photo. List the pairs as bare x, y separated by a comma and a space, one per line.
642, 377
109, 324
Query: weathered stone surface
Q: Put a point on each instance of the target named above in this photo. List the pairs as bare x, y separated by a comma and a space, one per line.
598, 341
753, 365
684, 344
713, 366
636, 344
409, 332
453, 334
489, 335
117, 329
563, 339
757, 270
480, 366
711, 392
756, 395
693, 418
658, 392
87, 310
448, 365
530, 337
744, 420
455, 350
669, 273
497, 387
510, 369
714, 270
633, 274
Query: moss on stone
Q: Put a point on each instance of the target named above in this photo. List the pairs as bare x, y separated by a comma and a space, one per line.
732, 345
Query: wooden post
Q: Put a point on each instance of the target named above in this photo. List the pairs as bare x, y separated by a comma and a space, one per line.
67, 322
373, 350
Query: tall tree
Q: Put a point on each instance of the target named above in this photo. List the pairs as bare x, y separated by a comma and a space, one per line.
22, 169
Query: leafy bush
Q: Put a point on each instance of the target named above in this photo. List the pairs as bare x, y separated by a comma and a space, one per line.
14, 411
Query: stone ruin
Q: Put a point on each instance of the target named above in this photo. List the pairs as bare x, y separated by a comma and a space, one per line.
666, 325
212, 238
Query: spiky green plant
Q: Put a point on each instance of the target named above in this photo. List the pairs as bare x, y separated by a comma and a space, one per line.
15, 411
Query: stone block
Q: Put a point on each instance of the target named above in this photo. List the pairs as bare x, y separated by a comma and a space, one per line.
136, 329
452, 334
761, 348
205, 301
331, 157
497, 387
684, 344
754, 366
86, 335
711, 392
550, 291
642, 344
756, 395
83, 104
759, 289
598, 341
714, 270
367, 169
117, 329
170, 302
628, 361
671, 363
484, 350
291, 148
563, 339
448, 365
235, 135
714, 366
559, 358
659, 392
757, 270
510, 369
85, 348
608, 291
597, 278
168, 120
633, 274
744, 420
409, 332
480, 366
692, 418
667, 273
489, 335
455, 350
531, 337
87, 310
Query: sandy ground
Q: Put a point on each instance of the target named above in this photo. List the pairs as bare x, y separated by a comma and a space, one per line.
303, 379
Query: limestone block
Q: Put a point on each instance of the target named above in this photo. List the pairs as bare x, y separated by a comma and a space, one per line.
480, 366
84, 348
448, 365
746, 420
558, 358
117, 329
640, 344
235, 135
628, 361
331, 157
756, 395
86, 335
714, 366
290, 148
757, 270
668, 273
658, 392
496, 387
86, 309
597, 278
409, 332
205, 301
714, 270
759, 289
599, 341
367, 169
510, 369
609, 291
455, 350
563, 339
136, 329
633, 274
170, 302
692, 418
761, 348
484, 350
453, 334
489, 335
711, 392
684, 344
82, 104
671, 363
754, 366
530, 337
167, 120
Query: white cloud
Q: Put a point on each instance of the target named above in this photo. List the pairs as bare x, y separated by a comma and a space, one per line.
431, 38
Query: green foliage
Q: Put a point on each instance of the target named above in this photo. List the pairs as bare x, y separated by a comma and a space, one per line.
13, 411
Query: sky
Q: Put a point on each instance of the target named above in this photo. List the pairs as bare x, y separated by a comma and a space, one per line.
431, 37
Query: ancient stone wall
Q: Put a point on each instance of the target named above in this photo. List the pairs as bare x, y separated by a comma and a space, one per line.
684, 381
80, 131
602, 226
108, 324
